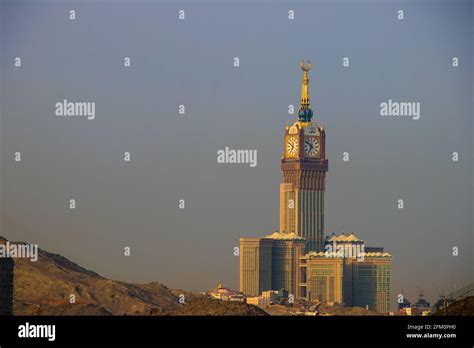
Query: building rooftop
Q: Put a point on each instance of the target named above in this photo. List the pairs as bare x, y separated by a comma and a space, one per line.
343, 238
378, 254
285, 236
336, 255
321, 254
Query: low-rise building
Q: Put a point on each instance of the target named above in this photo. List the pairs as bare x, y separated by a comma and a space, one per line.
258, 300
225, 294
272, 295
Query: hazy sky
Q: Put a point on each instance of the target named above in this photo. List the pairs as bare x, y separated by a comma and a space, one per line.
173, 156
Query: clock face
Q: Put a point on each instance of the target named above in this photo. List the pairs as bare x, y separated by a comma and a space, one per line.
311, 146
292, 146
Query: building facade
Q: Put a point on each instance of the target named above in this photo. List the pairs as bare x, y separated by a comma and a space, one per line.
287, 249
6, 286
324, 278
367, 281
225, 294
255, 265
304, 165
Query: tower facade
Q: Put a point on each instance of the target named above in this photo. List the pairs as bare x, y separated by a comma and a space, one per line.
255, 265
304, 165
324, 277
370, 281
287, 250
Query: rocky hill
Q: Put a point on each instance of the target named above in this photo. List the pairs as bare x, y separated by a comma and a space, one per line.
464, 306
206, 306
44, 288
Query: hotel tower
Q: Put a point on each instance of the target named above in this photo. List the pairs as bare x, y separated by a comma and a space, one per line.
304, 165
295, 258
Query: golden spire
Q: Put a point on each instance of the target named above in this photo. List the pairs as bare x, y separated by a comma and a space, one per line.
305, 84
305, 114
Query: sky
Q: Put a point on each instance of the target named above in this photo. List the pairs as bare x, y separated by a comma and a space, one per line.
190, 62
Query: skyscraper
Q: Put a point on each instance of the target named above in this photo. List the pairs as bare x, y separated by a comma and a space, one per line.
366, 272
368, 281
287, 249
255, 265
6, 286
304, 165
297, 258
324, 277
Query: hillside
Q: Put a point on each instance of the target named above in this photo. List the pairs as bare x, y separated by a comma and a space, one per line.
53, 278
464, 306
44, 288
206, 306
302, 306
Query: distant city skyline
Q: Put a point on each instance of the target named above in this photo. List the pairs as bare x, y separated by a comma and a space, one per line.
191, 62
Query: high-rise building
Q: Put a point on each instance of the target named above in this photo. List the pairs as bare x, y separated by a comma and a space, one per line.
255, 265
324, 277
366, 272
297, 258
287, 249
304, 165
346, 273
367, 281
6, 286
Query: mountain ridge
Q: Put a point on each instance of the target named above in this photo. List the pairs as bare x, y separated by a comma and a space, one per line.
46, 286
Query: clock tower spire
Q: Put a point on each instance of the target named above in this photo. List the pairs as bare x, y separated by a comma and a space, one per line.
305, 114
304, 165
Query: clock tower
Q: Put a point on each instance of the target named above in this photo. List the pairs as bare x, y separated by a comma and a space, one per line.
304, 165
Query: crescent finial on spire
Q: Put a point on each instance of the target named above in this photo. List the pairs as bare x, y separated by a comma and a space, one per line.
307, 67
305, 113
